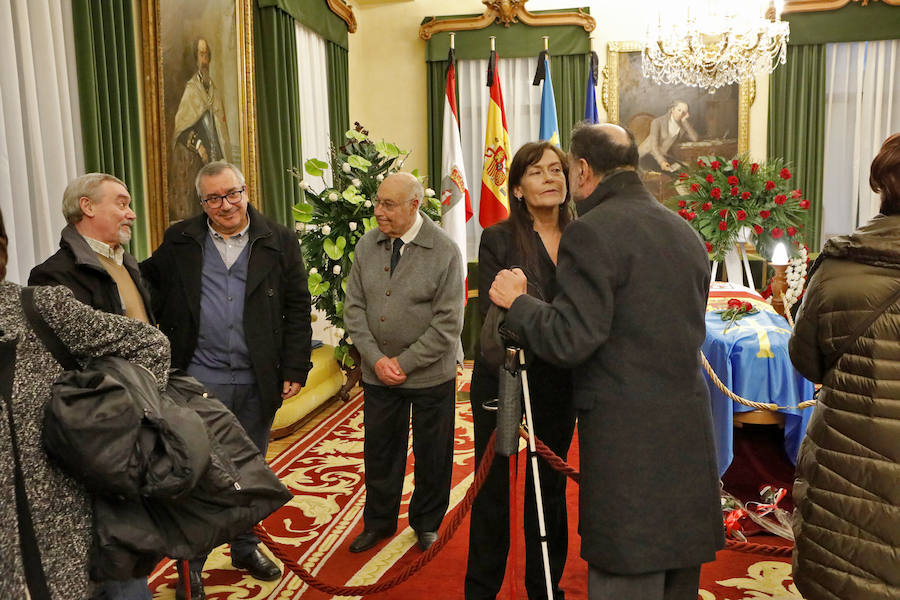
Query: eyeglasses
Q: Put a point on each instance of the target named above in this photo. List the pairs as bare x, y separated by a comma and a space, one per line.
234, 198
389, 205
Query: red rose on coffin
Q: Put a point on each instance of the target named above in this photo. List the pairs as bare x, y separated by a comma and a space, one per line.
785, 174
735, 191
732, 180
780, 199
715, 193
740, 215
714, 165
723, 212
804, 204
709, 247
764, 214
770, 185
754, 168
792, 231
710, 178
777, 233
745, 196
695, 187
682, 203
734, 303
747, 307
723, 225
706, 205
757, 229
734, 164
796, 194
683, 176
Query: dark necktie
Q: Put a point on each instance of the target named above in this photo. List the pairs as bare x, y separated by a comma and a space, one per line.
395, 253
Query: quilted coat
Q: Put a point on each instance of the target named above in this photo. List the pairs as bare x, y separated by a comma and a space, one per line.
847, 492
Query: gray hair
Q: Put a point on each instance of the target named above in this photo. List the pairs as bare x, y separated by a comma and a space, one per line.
214, 168
85, 186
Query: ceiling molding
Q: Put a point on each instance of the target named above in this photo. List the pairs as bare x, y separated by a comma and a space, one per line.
506, 12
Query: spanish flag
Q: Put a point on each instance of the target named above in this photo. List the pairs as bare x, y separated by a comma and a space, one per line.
494, 204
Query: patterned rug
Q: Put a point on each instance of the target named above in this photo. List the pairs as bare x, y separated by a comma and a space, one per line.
324, 470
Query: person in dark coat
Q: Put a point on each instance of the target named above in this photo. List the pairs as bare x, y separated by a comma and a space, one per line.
93, 263
229, 289
629, 320
92, 260
529, 238
847, 491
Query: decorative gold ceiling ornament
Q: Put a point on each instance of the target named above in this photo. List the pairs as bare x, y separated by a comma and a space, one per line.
714, 44
799, 6
343, 10
506, 12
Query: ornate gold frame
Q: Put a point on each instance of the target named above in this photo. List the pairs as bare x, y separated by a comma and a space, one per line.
610, 92
157, 142
506, 12
799, 6
345, 12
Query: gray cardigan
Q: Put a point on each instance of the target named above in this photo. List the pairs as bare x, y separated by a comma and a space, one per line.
416, 314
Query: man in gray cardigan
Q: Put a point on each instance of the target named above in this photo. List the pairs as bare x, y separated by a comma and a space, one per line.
404, 313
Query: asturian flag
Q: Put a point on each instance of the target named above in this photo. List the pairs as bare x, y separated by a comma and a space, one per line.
494, 205
549, 123
455, 201
590, 100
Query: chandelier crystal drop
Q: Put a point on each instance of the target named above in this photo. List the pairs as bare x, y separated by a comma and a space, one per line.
715, 44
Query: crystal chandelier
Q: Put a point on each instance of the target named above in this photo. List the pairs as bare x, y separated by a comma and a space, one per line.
715, 43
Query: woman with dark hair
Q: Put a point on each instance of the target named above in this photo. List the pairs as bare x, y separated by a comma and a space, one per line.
847, 337
45, 536
528, 239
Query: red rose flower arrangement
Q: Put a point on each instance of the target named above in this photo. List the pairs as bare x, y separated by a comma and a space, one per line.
736, 311
721, 197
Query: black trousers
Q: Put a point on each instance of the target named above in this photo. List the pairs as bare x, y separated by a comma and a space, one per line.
386, 414
674, 584
554, 421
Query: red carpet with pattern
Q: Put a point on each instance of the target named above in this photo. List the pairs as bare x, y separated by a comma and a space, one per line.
324, 470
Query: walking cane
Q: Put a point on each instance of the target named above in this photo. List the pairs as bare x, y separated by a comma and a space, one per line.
509, 418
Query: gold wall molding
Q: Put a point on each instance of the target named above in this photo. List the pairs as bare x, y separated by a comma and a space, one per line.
798, 6
345, 12
506, 12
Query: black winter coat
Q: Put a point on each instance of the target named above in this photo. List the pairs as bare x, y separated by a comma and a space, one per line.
277, 304
629, 319
76, 266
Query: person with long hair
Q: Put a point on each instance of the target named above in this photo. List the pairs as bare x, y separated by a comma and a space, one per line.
847, 337
45, 534
528, 239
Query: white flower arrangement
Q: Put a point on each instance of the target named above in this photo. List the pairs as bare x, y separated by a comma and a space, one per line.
796, 277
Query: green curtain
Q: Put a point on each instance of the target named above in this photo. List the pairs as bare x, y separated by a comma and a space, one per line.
278, 111
437, 86
851, 23
338, 92
108, 92
796, 128
314, 14
569, 76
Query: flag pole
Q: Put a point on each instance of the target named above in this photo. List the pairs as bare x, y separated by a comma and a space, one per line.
546, 43
493, 40
452, 40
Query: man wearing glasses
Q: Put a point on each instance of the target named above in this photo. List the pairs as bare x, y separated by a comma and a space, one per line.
229, 289
404, 312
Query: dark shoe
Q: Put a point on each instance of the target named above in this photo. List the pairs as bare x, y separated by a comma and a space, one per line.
258, 565
367, 539
197, 592
426, 539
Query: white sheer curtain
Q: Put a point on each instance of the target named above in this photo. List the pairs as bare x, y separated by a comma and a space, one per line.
312, 66
862, 109
40, 128
523, 112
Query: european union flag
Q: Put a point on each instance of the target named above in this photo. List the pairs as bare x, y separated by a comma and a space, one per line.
590, 100
549, 124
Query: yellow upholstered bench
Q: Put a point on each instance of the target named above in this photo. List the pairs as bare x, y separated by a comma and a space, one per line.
322, 383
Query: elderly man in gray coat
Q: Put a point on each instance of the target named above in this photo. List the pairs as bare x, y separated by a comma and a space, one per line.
404, 313
629, 320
